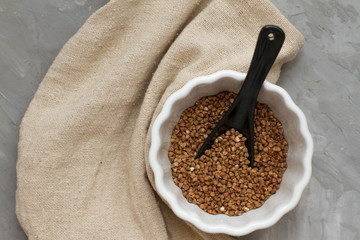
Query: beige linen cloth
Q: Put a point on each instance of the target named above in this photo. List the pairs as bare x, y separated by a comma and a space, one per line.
83, 170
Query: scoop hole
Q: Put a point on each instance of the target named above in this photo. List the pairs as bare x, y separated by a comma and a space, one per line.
271, 36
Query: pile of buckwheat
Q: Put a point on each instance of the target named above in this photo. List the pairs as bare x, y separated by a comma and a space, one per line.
221, 180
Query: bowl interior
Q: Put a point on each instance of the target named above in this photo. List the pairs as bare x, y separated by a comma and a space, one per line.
277, 204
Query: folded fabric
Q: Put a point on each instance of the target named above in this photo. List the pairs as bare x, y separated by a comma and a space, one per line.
83, 169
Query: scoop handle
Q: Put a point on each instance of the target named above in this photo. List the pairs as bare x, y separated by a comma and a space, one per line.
269, 43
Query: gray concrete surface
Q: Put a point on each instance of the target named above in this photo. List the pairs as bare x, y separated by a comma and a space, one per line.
324, 80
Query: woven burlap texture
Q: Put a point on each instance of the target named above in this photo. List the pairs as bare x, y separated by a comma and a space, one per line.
83, 169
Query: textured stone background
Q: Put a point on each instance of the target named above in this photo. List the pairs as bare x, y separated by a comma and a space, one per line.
324, 80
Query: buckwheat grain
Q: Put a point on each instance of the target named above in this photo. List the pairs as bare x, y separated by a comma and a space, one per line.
221, 181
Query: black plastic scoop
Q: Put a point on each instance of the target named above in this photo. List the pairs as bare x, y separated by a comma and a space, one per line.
240, 115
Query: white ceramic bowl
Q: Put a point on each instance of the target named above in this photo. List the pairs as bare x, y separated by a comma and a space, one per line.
295, 178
